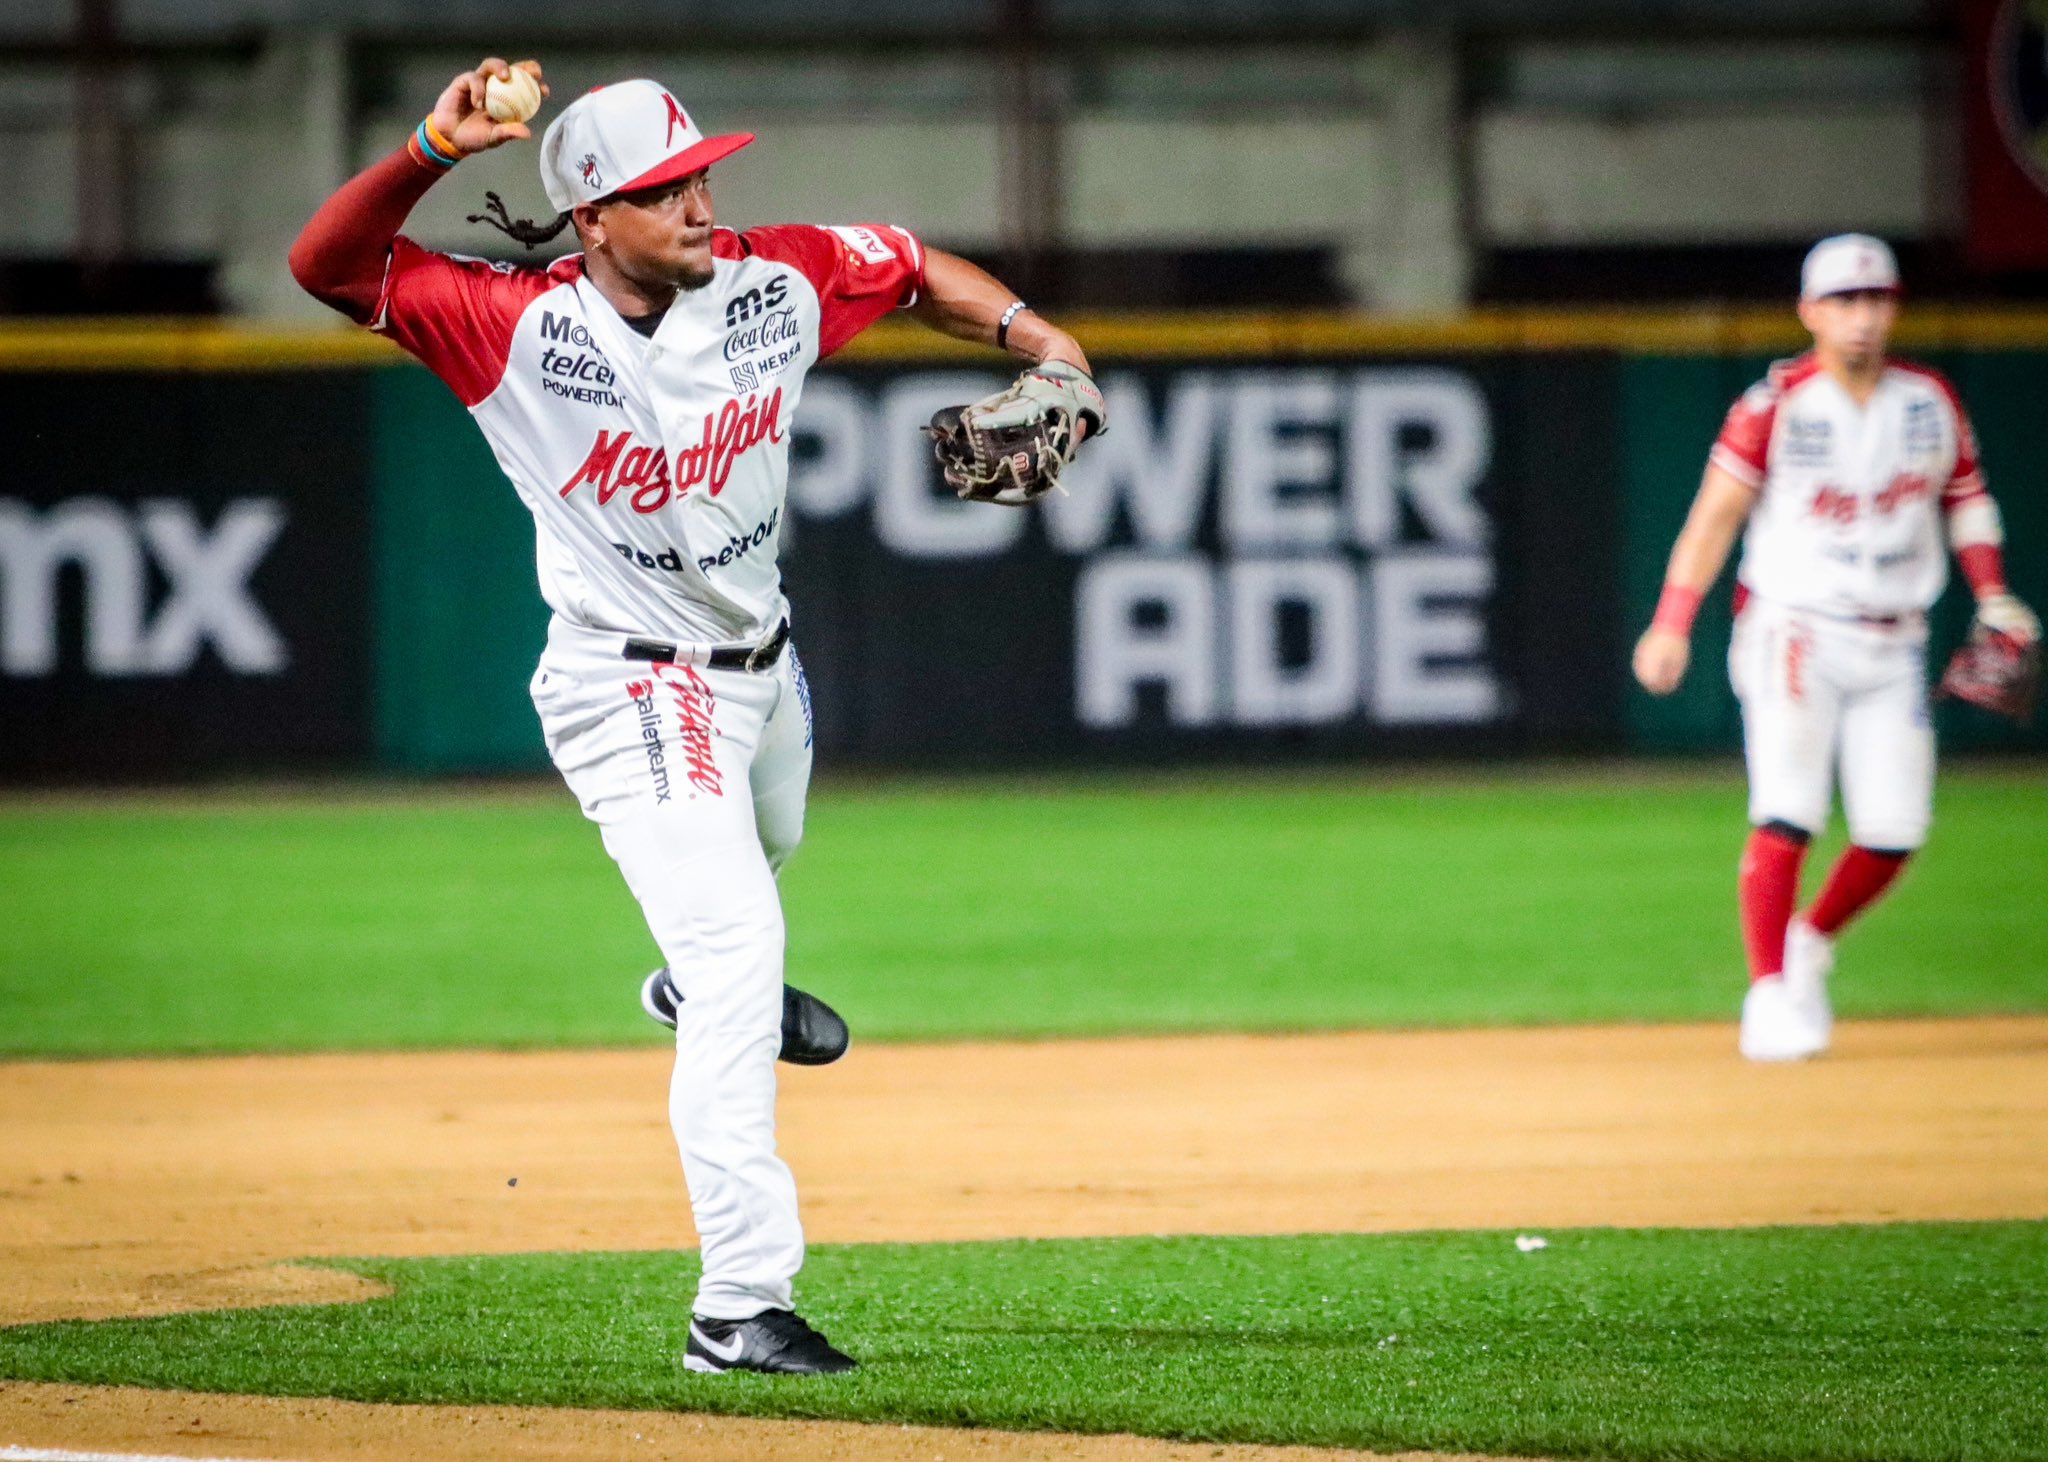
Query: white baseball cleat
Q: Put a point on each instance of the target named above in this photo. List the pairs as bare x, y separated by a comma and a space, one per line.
1809, 960
1775, 1026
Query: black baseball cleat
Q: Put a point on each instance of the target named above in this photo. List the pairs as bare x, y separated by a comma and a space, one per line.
776, 1342
813, 1034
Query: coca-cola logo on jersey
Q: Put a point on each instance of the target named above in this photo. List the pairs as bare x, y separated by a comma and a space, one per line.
747, 339
615, 463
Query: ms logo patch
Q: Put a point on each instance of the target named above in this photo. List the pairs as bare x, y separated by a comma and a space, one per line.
588, 168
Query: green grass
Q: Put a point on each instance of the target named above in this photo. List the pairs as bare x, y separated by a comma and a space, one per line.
1899, 1342
1052, 909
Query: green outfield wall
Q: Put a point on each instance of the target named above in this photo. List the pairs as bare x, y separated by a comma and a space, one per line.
1307, 538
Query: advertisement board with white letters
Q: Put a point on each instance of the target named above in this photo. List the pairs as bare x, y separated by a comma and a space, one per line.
1263, 559
184, 568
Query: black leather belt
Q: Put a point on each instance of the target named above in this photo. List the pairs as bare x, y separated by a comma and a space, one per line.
756, 658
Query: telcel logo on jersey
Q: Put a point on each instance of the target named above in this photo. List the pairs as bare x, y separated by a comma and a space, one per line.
585, 377
1807, 440
641, 694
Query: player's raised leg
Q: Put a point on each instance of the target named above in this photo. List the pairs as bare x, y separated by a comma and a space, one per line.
781, 774
813, 1034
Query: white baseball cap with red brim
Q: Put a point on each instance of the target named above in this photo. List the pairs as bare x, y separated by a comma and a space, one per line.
1848, 262
631, 134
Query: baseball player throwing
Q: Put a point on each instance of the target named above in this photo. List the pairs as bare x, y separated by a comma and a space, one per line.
638, 395
1845, 464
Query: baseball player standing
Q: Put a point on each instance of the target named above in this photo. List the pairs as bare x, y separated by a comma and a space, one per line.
638, 395
1845, 464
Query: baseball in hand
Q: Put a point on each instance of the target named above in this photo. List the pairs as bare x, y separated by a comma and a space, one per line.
514, 99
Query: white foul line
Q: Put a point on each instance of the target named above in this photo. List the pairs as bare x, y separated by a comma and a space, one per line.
51, 1454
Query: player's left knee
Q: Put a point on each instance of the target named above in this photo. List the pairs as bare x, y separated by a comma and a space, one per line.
1897, 840
780, 838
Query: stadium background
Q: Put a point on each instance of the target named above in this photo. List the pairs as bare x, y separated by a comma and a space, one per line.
1307, 711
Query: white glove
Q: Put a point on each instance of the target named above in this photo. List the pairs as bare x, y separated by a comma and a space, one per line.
2007, 615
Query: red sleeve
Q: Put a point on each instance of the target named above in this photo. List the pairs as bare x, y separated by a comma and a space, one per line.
861, 271
1743, 448
339, 256
1967, 480
457, 315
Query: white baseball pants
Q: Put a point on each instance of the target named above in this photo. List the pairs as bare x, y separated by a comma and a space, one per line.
1818, 691
696, 779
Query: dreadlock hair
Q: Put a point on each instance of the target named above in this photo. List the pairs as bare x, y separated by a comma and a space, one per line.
528, 231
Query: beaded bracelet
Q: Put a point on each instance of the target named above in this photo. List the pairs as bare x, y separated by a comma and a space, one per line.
1017, 307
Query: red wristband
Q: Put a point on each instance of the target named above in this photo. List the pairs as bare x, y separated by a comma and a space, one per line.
1677, 607
1984, 566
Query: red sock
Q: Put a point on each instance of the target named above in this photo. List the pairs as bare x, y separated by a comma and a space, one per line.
1857, 878
1769, 883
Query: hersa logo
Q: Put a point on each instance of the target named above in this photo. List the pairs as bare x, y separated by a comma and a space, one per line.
748, 303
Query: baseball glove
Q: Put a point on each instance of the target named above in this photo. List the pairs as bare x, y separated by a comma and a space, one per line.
1997, 671
1010, 448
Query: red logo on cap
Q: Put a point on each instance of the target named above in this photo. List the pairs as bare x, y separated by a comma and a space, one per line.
675, 118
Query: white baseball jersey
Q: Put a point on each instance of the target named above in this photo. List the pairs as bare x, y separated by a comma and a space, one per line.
655, 469
1848, 519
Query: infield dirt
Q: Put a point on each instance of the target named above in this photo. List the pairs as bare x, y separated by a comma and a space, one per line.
145, 1187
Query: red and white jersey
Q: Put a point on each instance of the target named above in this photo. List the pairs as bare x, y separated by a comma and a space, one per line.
655, 469
1848, 519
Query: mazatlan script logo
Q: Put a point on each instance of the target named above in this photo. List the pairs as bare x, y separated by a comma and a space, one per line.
615, 463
